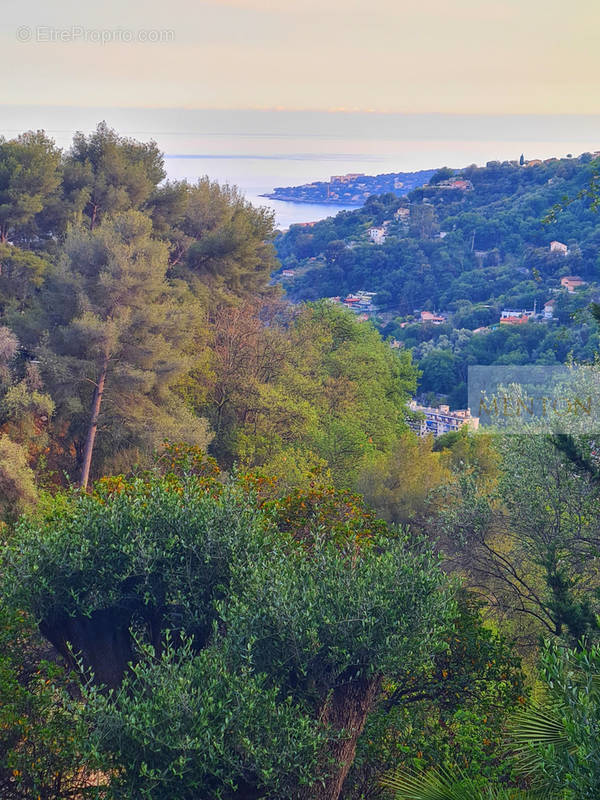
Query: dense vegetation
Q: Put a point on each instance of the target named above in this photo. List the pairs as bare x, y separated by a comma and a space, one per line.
228, 569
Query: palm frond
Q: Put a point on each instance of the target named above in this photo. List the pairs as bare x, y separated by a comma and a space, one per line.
442, 785
431, 785
536, 726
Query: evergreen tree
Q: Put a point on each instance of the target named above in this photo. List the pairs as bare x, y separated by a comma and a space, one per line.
105, 173
123, 344
29, 176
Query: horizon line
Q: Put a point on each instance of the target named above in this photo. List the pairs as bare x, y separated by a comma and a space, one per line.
307, 110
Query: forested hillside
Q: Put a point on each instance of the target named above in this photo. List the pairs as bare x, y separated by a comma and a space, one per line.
470, 244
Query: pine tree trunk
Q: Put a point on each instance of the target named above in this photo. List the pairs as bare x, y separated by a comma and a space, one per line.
91, 434
347, 709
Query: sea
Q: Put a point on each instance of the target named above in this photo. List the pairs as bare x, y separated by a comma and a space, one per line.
258, 150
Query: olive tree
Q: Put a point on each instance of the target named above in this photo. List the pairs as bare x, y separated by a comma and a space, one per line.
292, 635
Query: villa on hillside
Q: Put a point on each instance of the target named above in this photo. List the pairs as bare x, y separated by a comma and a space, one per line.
376, 235
559, 247
572, 282
510, 316
549, 309
436, 319
360, 301
455, 183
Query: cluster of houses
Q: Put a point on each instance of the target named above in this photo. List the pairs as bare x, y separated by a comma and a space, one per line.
536, 162
360, 302
511, 316
353, 188
440, 420
378, 233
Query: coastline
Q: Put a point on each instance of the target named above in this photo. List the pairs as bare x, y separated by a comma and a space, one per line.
324, 202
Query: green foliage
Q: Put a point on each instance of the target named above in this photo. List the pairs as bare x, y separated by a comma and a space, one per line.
286, 623
191, 725
443, 785
313, 381
101, 260
127, 324
530, 540
401, 485
43, 738
21, 276
29, 175
105, 174
450, 714
17, 482
557, 741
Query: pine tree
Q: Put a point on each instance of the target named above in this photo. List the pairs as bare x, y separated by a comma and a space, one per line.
124, 343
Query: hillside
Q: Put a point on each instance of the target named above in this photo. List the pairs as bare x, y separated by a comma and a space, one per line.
466, 247
352, 189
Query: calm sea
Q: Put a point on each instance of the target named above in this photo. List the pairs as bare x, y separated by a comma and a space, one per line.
259, 150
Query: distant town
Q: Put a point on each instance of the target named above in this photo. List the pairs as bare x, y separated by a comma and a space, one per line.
353, 188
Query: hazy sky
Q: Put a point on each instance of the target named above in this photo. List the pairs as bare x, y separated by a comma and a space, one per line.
469, 56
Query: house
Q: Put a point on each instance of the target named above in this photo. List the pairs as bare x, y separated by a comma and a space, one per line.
438, 421
455, 183
572, 282
482, 329
511, 317
436, 319
463, 185
402, 214
377, 235
288, 273
360, 301
549, 309
559, 247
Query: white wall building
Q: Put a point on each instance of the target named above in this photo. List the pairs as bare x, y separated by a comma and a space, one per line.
438, 421
377, 235
559, 247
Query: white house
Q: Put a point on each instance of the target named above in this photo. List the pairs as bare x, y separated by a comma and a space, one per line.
559, 247
549, 309
377, 235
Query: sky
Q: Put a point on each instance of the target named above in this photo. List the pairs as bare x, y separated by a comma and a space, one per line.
406, 56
